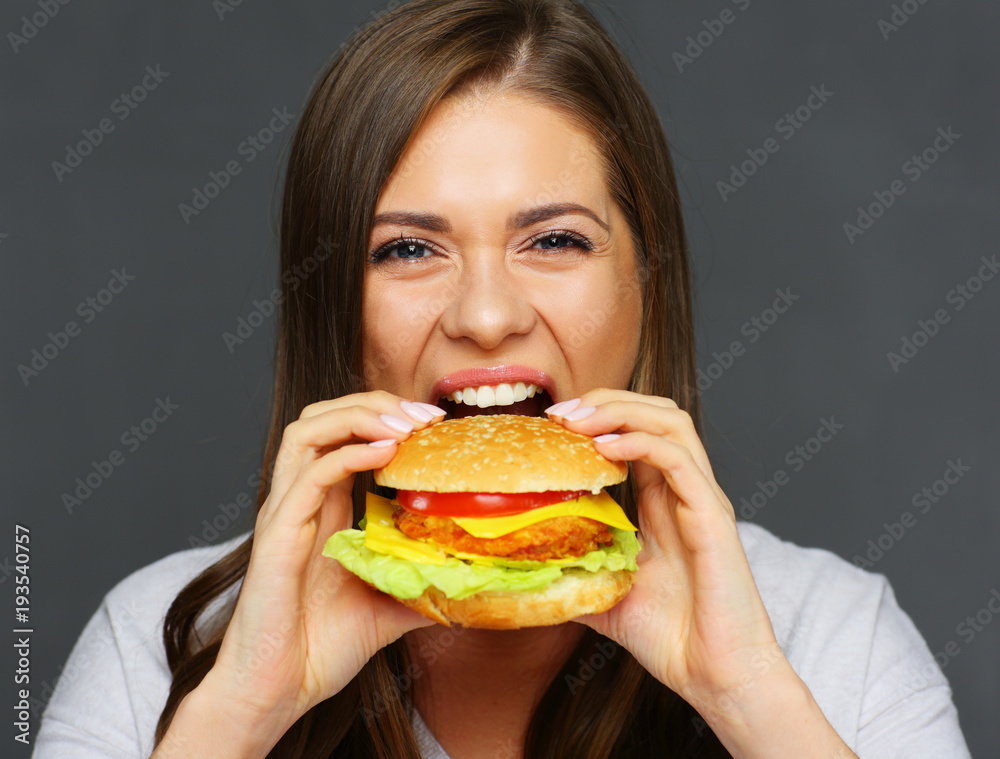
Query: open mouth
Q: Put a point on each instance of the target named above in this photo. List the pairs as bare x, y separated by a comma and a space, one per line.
474, 404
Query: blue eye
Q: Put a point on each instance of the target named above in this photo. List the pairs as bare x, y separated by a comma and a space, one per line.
413, 249
409, 249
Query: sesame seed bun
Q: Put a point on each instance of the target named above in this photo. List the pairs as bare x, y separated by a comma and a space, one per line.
499, 453
577, 592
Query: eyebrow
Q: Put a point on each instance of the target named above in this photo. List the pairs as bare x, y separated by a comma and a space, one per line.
516, 221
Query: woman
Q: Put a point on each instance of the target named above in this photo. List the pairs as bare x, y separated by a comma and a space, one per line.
484, 184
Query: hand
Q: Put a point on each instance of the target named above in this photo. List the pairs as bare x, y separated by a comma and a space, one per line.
693, 618
303, 626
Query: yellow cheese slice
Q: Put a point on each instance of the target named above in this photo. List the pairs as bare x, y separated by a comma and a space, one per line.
601, 508
382, 535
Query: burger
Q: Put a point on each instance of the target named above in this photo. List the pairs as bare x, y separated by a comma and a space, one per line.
499, 521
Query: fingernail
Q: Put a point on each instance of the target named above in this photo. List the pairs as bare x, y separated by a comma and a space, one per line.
580, 413
396, 423
412, 409
563, 406
607, 438
432, 408
382, 443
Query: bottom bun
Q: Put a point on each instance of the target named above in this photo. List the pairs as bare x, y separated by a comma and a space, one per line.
575, 593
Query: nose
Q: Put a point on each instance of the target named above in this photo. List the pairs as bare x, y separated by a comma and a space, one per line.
487, 305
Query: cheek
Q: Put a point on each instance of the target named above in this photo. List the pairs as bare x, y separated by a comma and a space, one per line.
381, 347
599, 321
394, 328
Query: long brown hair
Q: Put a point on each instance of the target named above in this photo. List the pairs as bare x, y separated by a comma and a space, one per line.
360, 118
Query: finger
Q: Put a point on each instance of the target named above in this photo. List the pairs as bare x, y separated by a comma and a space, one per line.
309, 437
384, 401
602, 395
300, 504
676, 463
653, 589
640, 416
607, 394
393, 619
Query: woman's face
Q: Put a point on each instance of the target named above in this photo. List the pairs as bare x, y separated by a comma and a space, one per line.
492, 277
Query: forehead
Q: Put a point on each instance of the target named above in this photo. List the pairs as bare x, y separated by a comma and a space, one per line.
476, 152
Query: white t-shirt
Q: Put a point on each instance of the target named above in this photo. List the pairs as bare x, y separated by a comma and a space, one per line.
866, 664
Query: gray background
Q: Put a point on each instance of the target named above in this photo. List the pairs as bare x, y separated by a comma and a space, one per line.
827, 356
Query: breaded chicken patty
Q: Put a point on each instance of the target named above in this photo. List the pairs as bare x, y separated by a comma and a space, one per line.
555, 538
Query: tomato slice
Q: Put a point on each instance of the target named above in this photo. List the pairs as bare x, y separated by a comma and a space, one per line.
480, 504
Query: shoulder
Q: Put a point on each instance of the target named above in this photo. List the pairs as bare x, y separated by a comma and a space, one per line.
146, 594
845, 635
111, 691
809, 592
131, 616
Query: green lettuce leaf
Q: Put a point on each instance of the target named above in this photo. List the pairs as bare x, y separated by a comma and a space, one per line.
458, 579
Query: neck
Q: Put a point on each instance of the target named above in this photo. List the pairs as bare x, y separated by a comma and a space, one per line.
484, 683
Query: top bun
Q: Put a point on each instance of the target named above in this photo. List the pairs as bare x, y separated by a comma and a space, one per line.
499, 453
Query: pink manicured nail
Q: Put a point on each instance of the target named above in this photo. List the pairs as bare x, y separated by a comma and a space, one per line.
560, 409
580, 413
607, 438
418, 413
432, 408
396, 423
383, 443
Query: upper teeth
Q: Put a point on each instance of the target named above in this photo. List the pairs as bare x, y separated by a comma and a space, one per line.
494, 395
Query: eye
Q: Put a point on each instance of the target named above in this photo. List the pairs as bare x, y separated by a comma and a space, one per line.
549, 240
414, 249
410, 248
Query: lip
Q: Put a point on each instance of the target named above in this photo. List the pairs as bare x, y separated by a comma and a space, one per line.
492, 375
